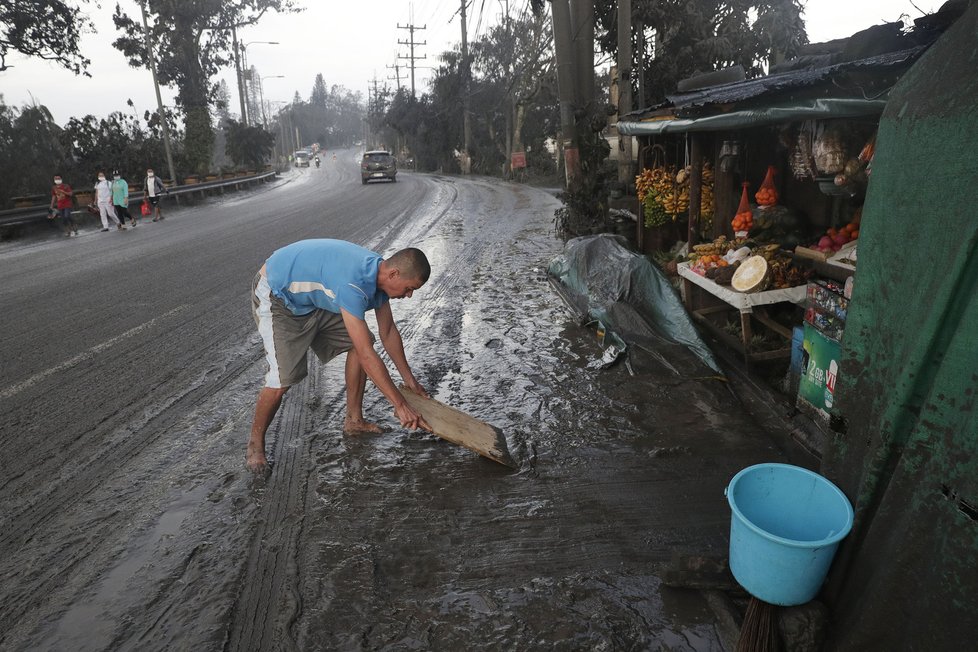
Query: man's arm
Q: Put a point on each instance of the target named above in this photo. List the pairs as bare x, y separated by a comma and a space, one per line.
391, 339
377, 372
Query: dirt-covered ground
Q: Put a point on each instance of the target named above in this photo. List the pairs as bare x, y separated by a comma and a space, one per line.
132, 523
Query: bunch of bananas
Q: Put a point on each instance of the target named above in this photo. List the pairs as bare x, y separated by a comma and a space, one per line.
655, 214
670, 190
706, 206
654, 186
720, 246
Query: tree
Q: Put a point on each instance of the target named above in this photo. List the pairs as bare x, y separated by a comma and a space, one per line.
319, 95
222, 100
192, 42
249, 146
47, 29
118, 141
692, 36
516, 60
30, 151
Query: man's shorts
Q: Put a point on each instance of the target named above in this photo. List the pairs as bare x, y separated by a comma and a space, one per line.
288, 337
154, 201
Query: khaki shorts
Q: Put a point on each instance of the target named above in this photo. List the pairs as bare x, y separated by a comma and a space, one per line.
288, 337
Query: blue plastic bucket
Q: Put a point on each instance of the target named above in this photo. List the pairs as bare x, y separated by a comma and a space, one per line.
785, 528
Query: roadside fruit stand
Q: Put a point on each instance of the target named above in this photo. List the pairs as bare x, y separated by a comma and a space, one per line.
762, 183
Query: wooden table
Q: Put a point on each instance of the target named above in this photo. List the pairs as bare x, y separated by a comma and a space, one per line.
748, 304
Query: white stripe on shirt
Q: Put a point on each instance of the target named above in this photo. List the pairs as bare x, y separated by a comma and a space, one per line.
311, 286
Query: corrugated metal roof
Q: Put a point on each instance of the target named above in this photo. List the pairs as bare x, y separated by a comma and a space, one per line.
751, 88
685, 104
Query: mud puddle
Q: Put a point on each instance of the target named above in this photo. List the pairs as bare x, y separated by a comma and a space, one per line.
408, 542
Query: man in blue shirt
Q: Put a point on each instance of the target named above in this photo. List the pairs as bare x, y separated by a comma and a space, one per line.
314, 294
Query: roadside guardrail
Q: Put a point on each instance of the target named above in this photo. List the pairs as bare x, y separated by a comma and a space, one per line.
30, 214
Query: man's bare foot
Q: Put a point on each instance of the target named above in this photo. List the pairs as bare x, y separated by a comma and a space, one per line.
360, 426
256, 461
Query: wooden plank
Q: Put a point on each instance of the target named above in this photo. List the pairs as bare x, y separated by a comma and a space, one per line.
461, 429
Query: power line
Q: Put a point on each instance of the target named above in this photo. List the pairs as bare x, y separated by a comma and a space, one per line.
411, 43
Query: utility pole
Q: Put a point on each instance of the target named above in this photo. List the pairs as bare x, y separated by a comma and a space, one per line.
397, 75
411, 43
237, 72
466, 117
373, 104
625, 173
159, 98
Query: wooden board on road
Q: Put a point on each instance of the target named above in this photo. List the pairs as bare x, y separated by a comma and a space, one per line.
460, 428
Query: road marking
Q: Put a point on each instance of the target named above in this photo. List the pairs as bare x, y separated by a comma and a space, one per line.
85, 355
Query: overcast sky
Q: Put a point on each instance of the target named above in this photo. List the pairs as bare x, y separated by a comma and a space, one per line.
348, 42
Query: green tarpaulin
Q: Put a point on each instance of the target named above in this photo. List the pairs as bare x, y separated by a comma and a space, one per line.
907, 576
630, 297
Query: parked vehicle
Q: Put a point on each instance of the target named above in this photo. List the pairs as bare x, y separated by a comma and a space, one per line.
378, 164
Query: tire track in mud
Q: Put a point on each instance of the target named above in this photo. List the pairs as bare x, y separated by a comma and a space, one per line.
21, 531
50, 476
270, 599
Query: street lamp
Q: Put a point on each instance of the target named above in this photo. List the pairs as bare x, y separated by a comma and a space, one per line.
245, 73
261, 93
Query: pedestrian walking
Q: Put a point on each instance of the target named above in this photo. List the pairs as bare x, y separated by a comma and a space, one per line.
313, 294
62, 205
120, 198
103, 199
154, 190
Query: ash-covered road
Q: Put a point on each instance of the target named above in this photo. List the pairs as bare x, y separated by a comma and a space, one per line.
130, 364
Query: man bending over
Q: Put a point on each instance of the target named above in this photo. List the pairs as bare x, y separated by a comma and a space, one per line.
314, 294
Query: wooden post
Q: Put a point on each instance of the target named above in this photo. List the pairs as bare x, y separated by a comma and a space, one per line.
695, 187
624, 78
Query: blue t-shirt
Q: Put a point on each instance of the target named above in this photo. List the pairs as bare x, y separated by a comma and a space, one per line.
326, 275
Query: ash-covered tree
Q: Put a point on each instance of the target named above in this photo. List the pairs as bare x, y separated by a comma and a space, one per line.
118, 141
30, 150
46, 29
694, 36
250, 146
513, 66
192, 42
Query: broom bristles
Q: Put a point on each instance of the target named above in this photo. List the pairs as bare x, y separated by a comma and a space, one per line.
759, 633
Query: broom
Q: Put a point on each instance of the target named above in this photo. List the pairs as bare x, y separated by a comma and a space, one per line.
759, 633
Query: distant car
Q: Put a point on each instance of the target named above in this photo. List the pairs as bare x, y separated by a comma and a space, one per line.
378, 164
301, 159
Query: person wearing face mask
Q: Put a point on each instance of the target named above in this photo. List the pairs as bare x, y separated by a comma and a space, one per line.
103, 199
120, 198
154, 190
61, 205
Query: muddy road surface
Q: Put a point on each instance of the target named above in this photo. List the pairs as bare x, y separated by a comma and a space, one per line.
130, 364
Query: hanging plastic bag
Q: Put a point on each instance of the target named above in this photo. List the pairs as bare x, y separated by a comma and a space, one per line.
744, 219
767, 194
145, 208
